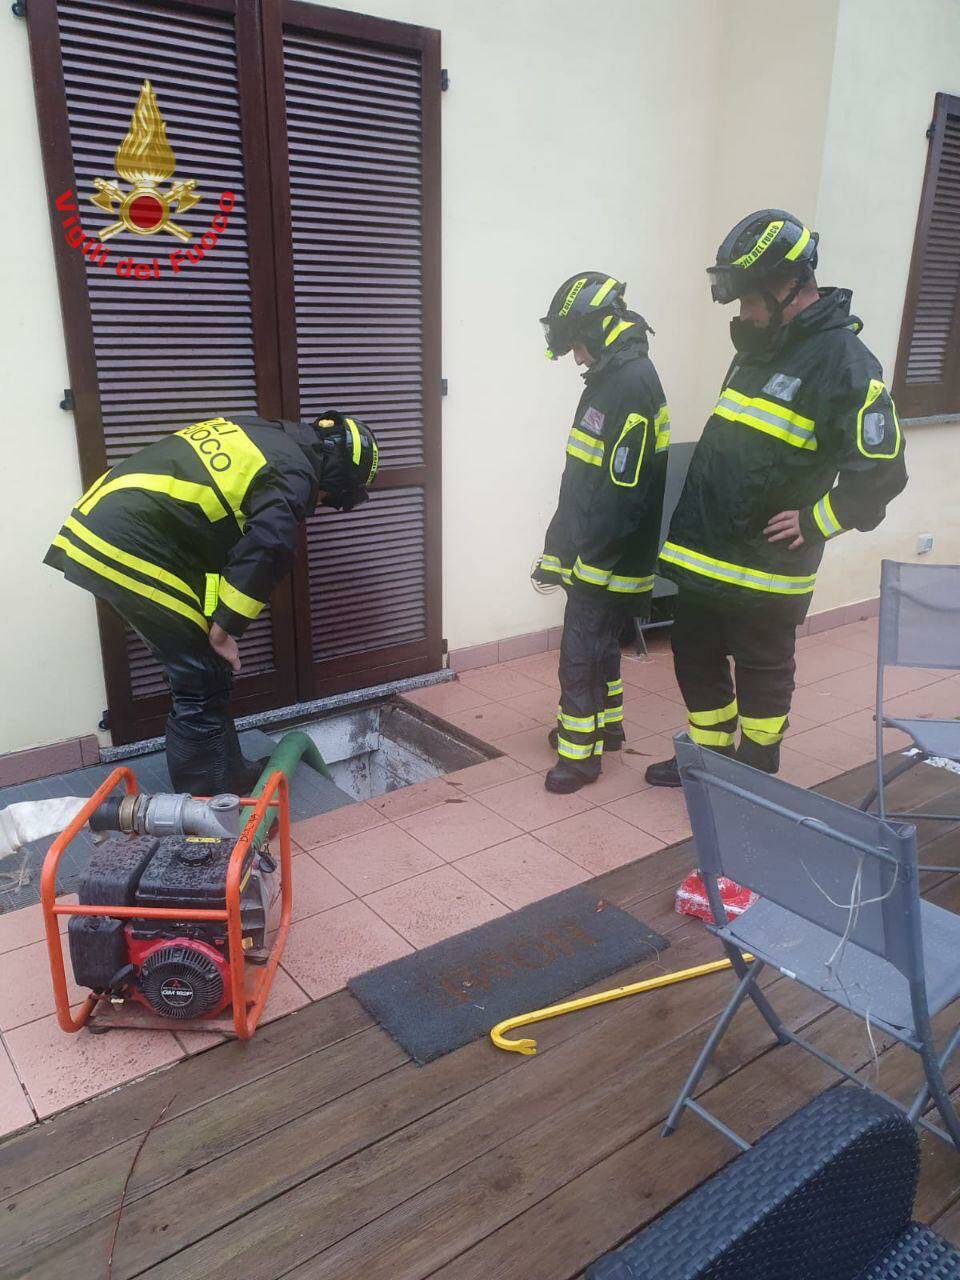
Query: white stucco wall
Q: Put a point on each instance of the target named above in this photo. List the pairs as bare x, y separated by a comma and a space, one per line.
624, 137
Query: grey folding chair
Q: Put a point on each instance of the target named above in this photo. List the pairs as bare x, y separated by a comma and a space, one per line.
919, 627
839, 912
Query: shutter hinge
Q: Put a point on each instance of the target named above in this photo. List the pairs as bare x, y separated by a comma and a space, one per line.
19, 8
105, 721
444, 75
932, 128
443, 386
67, 401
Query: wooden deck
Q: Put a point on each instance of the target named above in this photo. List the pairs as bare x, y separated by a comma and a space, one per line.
319, 1152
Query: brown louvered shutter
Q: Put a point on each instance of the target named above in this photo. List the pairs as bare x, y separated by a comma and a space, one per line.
148, 357
354, 145
927, 379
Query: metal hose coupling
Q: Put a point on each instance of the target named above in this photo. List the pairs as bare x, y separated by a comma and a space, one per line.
168, 815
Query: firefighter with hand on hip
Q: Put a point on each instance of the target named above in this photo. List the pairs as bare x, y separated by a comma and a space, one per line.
802, 445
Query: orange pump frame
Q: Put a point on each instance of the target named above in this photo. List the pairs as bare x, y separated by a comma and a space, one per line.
247, 1003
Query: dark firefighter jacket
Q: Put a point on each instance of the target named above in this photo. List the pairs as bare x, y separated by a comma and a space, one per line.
604, 537
202, 523
808, 426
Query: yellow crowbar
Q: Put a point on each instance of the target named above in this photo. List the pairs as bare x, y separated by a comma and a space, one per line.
497, 1035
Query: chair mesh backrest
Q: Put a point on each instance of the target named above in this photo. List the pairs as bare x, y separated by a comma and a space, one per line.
803, 868
919, 615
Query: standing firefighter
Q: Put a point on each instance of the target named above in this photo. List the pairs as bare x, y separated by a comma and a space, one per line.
187, 538
602, 542
802, 445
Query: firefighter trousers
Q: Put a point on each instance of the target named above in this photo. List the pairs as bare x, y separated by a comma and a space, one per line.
761, 640
591, 690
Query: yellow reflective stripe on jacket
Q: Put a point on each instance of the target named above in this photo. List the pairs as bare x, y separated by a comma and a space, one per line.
587, 573
602, 292
616, 331
201, 495
229, 456
238, 602
153, 594
211, 593
874, 391
629, 586
632, 423
586, 448
94, 487
767, 416
661, 424
718, 716
711, 737
577, 724
738, 575
550, 564
764, 730
825, 518
145, 567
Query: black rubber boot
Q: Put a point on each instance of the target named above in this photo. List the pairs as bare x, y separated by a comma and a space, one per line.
209, 763
764, 758
244, 774
664, 774
613, 739
565, 776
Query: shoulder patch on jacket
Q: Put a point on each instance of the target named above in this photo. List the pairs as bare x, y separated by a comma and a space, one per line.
782, 386
878, 430
592, 421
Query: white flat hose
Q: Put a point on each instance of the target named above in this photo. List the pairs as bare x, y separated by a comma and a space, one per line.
33, 819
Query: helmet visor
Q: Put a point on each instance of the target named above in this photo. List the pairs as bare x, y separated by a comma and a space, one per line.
557, 346
724, 284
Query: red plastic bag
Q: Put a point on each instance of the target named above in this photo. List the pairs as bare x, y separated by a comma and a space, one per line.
692, 897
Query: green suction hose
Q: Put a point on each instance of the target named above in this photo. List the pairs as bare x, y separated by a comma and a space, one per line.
286, 755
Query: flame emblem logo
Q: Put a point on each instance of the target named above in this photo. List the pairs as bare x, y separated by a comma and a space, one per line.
145, 159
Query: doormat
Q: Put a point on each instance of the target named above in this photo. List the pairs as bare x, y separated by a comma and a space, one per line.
449, 994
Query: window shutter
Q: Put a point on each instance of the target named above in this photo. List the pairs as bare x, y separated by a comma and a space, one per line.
150, 356
355, 151
927, 379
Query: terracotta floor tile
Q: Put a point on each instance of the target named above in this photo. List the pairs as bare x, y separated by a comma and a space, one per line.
25, 925
60, 1069
322, 953
616, 780
314, 888
821, 706
453, 831
193, 1042
859, 687
478, 777
655, 713
644, 749
825, 660
861, 726
285, 993
599, 841
659, 811
804, 771
15, 1110
654, 677
491, 721
375, 859
540, 706
499, 682
541, 667
826, 743
530, 748
522, 871
336, 824
435, 906
26, 992
441, 699
940, 700
407, 800
527, 803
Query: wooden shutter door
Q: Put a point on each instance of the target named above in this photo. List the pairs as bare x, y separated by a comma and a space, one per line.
147, 357
927, 380
354, 143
